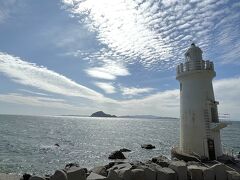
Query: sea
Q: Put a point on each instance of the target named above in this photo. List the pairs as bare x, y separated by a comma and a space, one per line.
28, 143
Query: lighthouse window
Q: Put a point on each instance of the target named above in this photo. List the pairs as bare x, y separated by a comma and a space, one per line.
180, 86
214, 114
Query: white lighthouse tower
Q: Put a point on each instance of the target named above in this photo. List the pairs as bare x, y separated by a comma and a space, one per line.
200, 126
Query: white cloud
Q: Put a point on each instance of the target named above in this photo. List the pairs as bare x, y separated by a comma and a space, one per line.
132, 91
36, 101
40, 77
33, 92
108, 71
154, 32
107, 87
227, 93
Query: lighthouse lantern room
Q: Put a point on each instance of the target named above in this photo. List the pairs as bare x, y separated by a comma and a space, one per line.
200, 126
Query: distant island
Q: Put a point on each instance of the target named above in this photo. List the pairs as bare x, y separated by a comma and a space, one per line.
102, 114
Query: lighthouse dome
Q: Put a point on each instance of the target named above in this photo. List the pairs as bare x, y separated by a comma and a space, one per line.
194, 53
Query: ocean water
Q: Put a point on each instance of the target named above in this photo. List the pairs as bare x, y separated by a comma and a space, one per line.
27, 142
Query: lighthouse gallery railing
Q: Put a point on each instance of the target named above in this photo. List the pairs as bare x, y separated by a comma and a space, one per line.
195, 65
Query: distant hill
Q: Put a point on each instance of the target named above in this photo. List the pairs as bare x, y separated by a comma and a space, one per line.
101, 114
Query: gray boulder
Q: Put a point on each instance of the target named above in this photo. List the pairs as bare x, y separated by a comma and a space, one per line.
233, 175
148, 146
161, 160
166, 174
121, 166
112, 175
69, 165
137, 174
124, 150
149, 174
101, 170
94, 176
125, 173
196, 172
59, 175
219, 171
116, 155
36, 178
76, 173
180, 168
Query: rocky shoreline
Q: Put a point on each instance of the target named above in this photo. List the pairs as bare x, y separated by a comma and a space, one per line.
157, 168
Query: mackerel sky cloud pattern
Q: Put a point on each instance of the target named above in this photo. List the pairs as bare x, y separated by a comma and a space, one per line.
156, 33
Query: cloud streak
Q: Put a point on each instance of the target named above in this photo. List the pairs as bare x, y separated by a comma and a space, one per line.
132, 91
40, 77
107, 87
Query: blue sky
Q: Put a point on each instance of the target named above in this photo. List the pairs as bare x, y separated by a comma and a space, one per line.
77, 57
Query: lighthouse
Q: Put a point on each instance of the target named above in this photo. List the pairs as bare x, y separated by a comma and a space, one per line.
200, 126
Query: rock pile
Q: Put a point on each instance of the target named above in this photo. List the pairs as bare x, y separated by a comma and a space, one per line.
159, 168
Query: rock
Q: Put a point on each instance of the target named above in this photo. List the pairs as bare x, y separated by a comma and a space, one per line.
153, 166
26, 176
122, 166
136, 164
166, 174
69, 165
219, 171
238, 155
94, 176
180, 168
112, 175
161, 160
149, 174
125, 150
196, 172
147, 146
233, 175
208, 174
76, 173
137, 174
59, 175
57, 145
36, 178
125, 173
116, 155
101, 170
109, 165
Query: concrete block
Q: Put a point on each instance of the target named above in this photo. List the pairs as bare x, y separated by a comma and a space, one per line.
180, 168
125, 173
101, 170
59, 175
112, 175
121, 166
208, 174
233, 175
219, 171
36, 178
166, 174
76, 173
149, 174
137, 174
196, 172
94, 176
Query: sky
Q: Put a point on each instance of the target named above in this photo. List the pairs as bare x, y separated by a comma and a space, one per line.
80, 56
